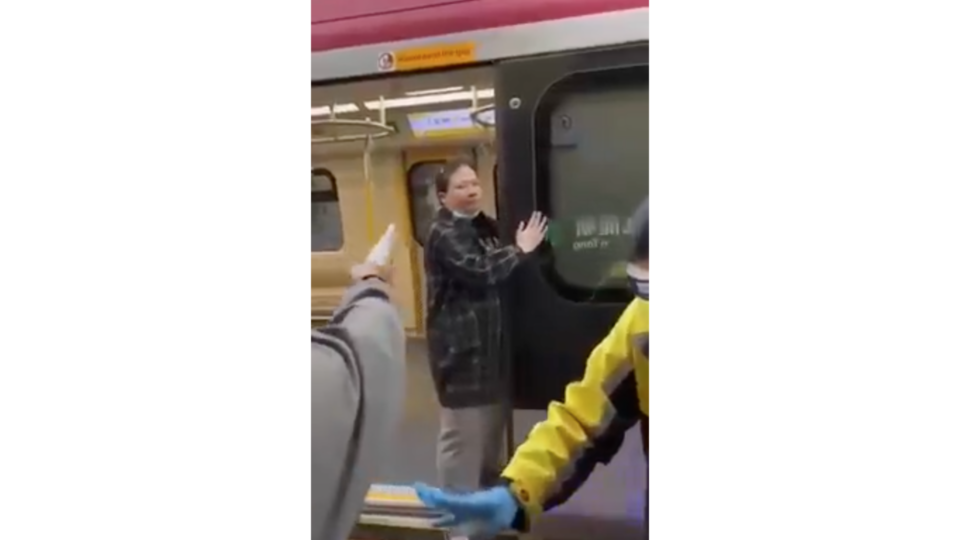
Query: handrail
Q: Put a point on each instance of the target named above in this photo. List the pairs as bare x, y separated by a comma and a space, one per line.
478, 113
385, 130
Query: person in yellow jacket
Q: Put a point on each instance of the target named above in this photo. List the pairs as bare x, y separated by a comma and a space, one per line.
585, 429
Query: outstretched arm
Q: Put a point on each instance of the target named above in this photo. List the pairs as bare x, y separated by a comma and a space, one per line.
357, 386
487, 268
586, 428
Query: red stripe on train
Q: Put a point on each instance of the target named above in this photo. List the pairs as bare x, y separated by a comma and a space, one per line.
350, 26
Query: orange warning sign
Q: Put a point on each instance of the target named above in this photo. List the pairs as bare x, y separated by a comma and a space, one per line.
428, 57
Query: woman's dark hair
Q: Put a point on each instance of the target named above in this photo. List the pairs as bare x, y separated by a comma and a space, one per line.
442, 180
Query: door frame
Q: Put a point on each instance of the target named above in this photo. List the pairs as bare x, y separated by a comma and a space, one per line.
410, 158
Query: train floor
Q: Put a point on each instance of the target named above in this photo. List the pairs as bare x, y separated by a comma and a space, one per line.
608, 507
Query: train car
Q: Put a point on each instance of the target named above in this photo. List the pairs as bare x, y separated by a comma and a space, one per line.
550, 99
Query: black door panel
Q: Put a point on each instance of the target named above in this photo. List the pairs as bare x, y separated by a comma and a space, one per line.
572, 134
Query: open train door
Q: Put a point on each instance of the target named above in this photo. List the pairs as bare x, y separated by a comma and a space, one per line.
573, 135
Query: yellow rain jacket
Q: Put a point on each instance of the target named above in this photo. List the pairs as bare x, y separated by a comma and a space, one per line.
588, 427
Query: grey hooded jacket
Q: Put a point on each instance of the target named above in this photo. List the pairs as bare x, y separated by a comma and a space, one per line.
358, 388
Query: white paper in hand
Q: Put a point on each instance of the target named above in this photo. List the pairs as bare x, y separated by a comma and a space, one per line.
380, 254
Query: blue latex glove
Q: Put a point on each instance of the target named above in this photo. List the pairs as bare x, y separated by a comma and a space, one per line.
483, 512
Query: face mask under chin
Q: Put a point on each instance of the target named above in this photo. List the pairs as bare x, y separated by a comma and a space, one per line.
466, 215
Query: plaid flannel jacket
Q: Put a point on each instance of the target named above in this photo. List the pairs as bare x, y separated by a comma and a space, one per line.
464, 275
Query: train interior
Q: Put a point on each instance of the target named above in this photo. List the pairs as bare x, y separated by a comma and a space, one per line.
377, 144
360, 186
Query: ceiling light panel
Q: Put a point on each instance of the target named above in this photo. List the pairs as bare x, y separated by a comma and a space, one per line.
340, 108
435, 91
433, 99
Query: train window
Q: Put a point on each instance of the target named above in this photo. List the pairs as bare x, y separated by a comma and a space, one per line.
423, 196
592, 131
326, 232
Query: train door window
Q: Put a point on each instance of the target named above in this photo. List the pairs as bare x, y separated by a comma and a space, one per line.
592, 131
423, 196
326, 232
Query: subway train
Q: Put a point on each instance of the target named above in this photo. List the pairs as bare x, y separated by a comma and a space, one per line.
550, 100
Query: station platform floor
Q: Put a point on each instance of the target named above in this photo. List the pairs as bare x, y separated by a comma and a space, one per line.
608, 507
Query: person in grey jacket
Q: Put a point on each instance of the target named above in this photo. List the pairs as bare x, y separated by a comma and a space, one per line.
358, 378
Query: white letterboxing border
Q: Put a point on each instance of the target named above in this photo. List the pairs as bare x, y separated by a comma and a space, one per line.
154, 371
